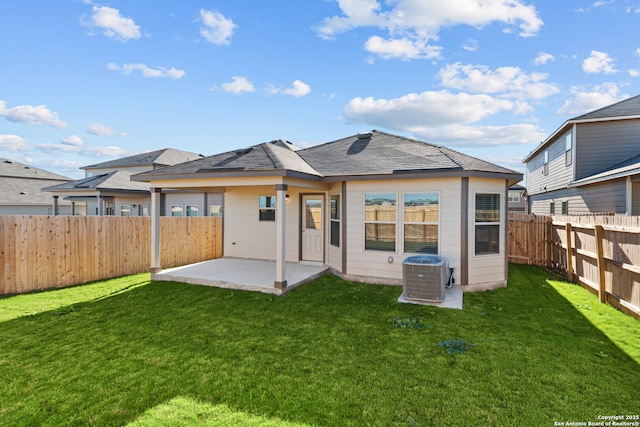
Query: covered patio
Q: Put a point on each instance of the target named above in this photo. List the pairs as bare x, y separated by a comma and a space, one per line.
242, 274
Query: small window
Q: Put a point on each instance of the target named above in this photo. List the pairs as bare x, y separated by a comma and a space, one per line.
565, 208
552, 208
145, 210
487, 224
335, 220
125, 210
514, 197
267, 210
568, 149
176, 210
215, 210
192, 210
545, 168
380, 222
421, 218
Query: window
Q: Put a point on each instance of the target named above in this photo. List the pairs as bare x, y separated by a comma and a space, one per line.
145, 210
267, 211
565, 208
335, 220
487, 224
125, 210
568, 145
421, 216
215, 210
514, 197
192, 210
545, 168
380, 222
552, 208
176, 210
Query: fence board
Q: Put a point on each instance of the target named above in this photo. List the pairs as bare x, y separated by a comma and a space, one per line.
40, 252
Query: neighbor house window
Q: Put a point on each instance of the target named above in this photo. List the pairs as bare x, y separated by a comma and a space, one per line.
380, 222
145, 210
487, 223
552, 208
192, 210
215, 210
568, 149
565, 208
176, 210
335, 220
421, 217
514, 197
267, 211
125, 210
545, 167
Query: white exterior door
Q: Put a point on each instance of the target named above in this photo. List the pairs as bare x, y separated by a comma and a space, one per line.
312, 233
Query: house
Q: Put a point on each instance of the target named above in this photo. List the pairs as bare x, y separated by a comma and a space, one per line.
359, 205
108, 190
20, 187
517, 201
590, 164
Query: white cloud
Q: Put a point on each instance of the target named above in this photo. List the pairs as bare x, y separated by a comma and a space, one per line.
239, 84
598, 62
417, 22
637, 52
543, 58
217, 29
482, 136
471, 45
73, 141
13, 143
402, 48
147, 72
634, 73
100, 129
113, 24
509, 82
298, 89
32, 115
584, 100
74, 144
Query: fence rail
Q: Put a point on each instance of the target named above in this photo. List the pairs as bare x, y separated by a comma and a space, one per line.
40, 252
602, 253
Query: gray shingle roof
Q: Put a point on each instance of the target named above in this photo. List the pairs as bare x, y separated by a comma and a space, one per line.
20, 184
624, 108
377, 153
118, 180
10, 168
165, 157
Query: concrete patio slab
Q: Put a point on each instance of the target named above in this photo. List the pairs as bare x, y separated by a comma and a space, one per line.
452, 299
242, 274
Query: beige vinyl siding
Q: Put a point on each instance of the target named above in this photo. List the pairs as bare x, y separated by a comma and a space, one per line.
119, 201
486, 271
185, 199
603, 144
375, 264
559, 175
247, 237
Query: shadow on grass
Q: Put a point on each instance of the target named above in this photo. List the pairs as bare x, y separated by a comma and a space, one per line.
324, 354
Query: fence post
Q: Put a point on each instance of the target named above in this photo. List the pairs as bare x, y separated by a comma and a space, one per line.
549, 241
602, 286
569, 252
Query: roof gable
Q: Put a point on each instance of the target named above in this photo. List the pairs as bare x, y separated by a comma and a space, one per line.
117, 180
165, 157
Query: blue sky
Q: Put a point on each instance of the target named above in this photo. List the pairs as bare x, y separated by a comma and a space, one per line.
82, 82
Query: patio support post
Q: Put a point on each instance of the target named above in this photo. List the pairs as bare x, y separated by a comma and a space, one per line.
101, 205
56, 207
155, 230
281, 275
73, 208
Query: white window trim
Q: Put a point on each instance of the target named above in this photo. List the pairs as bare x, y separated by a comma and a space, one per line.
401, 232
186, 210
171, 211
270, 208
500, 223
364, 223
339, 220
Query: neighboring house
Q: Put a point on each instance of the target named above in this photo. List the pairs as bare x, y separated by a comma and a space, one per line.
360, 205
517, 201
108, 190
591, 164
20, 190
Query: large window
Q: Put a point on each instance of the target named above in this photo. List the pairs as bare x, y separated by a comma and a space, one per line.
487, 224
421, 216
267, 210
380, 222
335, 220
568, 149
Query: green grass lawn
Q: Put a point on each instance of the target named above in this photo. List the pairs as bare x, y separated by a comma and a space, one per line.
134, 352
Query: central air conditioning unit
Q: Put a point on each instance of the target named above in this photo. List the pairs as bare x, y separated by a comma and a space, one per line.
424, 278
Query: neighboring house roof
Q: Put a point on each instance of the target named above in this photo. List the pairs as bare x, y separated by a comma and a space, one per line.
165, 157
113, 181
372, 153
517, 187
623, 110
20, 184
627, 167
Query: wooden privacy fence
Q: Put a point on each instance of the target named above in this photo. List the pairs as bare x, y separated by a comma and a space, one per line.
602, 253
40, 252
